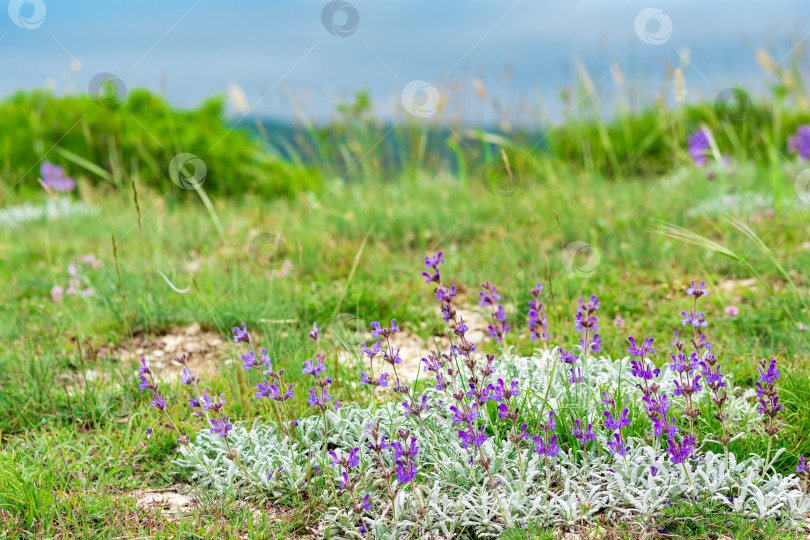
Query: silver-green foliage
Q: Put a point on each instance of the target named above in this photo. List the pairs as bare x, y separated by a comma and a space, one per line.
562, 490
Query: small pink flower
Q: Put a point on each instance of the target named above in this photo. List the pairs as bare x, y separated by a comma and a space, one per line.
72, 270
801, 326
57, 292
618, 322
91, 261
732, 312
285, 269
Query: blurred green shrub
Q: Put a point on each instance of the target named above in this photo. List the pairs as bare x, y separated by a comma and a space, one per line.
138, 137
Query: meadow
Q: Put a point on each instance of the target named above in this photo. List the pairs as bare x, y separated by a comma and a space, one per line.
332, 227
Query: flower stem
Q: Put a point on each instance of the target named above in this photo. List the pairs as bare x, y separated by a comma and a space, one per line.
687, 474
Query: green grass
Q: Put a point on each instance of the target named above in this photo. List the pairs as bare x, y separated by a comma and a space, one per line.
70, 456
699, 520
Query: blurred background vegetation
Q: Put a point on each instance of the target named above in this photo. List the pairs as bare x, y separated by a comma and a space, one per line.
112, 140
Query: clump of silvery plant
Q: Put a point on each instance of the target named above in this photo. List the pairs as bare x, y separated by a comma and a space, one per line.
500, 441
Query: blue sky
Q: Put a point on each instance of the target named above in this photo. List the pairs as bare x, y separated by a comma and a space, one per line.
522, 50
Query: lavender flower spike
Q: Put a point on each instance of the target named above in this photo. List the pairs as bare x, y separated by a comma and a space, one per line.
315, 331
432, 263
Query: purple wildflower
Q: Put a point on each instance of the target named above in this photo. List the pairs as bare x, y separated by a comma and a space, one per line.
661, 427
318, 399
552, 448
567, 356
543, 448
698, 291
646, 348
158, 402
313, 367
771, 375
53, 176
488, 297
468, 415
249, 361
680, 452
698, 143
643, 370
473, 438
551, 425
241, 334
315, 331
693, 318
416, 409
799, 143
378, 331
656, 405
209, 404
616, 446
432, 263
144, 369
187, 377
588, 323
405, 473
221, 426
354, 459
613, 424
538, 321
583, 435
372, 352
